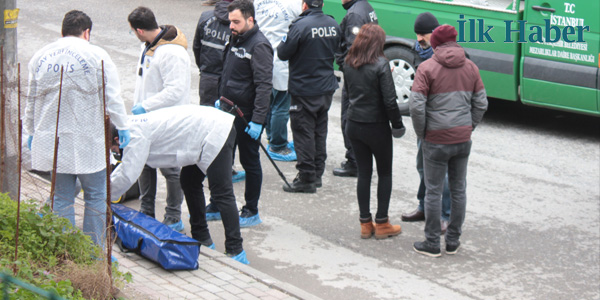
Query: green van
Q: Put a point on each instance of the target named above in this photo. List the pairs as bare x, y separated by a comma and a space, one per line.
508, 41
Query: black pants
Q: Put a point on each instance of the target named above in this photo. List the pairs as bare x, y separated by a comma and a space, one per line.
208, 89
368, 140
309, 118
345, 104
250, 160
221, 191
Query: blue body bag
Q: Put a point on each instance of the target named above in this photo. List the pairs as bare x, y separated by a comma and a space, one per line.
154, 240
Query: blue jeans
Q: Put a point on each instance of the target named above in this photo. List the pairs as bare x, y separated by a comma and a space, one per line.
279, 116
446, 200
147, 182
440, 160
94, 195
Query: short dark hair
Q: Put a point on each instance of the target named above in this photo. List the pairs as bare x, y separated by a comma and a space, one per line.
142, 18
75, 22
246, 7
314, 3
114, 132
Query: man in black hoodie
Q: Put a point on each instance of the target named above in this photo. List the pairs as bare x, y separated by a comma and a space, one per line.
359, 13
212, 33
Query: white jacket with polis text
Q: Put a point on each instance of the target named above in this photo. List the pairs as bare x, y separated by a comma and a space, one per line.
81, 148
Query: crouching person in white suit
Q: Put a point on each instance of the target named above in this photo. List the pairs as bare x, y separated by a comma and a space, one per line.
200, 139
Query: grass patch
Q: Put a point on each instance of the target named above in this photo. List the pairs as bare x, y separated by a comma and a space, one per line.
53, 255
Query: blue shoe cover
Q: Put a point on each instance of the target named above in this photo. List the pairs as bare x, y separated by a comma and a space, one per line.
241, 257
291, 146
177, 226
279, 157
250, 221
212, 246
213, 216
241, 175
114, 260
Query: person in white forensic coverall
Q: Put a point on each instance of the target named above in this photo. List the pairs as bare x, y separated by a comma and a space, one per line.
200, 139
163, 80
81, 149
274, 18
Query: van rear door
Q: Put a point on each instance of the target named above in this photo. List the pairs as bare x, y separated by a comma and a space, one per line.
558, 73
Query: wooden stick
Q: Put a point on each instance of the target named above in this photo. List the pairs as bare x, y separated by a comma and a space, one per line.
2, 118
107, 143
54, 163
19, 161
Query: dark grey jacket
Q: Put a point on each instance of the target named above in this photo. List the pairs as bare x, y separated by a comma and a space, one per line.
372, 94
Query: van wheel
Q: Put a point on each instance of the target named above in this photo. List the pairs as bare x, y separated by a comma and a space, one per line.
403, 72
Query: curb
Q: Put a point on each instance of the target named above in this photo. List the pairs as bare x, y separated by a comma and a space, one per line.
257, 275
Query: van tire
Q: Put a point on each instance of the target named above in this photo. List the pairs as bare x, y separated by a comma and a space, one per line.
402, 62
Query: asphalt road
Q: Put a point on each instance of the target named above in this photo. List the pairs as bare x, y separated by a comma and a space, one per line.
532, 229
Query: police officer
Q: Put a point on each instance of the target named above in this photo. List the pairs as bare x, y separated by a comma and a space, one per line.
359, 13
212, 33
247, 81
310, 46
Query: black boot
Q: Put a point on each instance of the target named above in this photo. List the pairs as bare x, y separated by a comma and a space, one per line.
348, 169
301, 185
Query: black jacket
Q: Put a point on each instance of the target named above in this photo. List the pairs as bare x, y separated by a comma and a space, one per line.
359, 13
310, 47
248, 73
212, 33
372, 94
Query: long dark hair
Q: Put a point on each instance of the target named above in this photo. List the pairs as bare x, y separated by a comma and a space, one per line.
367, 47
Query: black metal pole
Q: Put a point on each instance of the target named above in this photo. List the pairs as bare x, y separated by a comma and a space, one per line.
241, 115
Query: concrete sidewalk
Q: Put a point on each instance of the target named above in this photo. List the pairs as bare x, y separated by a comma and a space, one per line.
218, 277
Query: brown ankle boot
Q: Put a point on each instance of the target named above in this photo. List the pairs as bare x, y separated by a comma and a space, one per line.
367, 228
384, 230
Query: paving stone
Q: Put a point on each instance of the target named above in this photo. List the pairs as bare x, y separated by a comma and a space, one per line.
157, 279
216, 281
223, 276
207, 296
255, 291
161, 272
232, 289
147, 264
245, 278
192, 288
187, 295
277, 294
247, 296
141, 271
173, 289
196, 280
183, 274
211, 288
227, 296
176, 280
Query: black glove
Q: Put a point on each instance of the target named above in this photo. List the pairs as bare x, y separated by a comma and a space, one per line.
398, 132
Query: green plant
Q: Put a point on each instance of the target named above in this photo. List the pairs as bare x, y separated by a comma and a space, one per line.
50, 250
